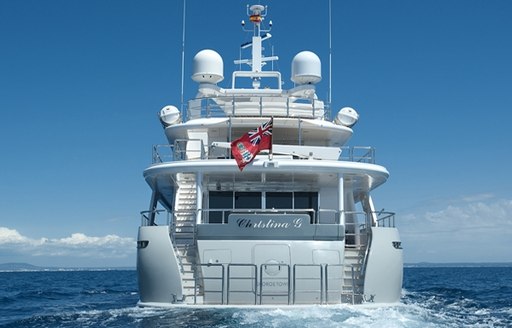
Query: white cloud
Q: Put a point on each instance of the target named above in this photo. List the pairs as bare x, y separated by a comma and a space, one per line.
83, 240
477, 197
475, 228
496, 214
11, 237
76, 245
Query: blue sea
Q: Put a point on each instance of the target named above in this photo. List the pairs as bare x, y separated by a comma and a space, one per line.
432, 297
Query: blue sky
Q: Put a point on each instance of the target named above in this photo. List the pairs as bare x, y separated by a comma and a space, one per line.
81, 83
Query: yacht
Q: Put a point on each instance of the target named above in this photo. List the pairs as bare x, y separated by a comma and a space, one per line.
257, 200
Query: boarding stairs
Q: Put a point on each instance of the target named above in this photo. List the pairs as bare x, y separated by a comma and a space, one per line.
185, 210
352, 289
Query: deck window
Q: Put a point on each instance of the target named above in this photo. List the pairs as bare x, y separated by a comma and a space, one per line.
219, 200
249, 200
281, 200
306, 200
225, 200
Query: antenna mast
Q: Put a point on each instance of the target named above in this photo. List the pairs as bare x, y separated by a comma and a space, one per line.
256, 15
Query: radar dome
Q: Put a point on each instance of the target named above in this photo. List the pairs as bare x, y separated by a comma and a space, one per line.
347, 116
306, 68
208, 67
169, 115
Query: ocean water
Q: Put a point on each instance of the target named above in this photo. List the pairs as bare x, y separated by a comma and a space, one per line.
432, 297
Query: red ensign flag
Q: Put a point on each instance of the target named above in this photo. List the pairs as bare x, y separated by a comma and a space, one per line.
245, 148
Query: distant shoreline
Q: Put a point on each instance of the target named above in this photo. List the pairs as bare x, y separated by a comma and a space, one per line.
458, 265
26, 267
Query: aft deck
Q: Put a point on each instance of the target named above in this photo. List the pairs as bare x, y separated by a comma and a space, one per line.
212, 277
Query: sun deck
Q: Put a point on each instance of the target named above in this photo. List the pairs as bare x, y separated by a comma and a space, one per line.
251, 104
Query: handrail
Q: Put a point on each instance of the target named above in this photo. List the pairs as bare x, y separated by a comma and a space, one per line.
146, 217
275, 293
185, 149
225, 212
257, 279
360, 154
321, 278
164, 153
228, 290
387, 219
326, 272
256, 106
353, 276
366, 252
222, 278
329, 282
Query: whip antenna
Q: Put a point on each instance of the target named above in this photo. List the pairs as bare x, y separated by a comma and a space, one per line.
330, 54
183, 55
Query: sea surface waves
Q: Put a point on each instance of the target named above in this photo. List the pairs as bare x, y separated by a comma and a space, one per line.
432, 297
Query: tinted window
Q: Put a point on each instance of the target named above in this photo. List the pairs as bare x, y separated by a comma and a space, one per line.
220, 200
247, 199
279, 200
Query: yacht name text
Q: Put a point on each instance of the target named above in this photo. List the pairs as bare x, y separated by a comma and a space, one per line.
269, 224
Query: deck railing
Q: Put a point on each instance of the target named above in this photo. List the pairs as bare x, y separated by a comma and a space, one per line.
183, 150
256, 106
234, 276
357, 224
250, 282
363, 154
309, 275
298, 284
148, 218
220, 215
386, 219
210, 274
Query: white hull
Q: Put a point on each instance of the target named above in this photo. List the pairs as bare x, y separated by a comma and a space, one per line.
268, 272
281, 215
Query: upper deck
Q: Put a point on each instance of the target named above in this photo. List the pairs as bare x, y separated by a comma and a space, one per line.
222, 113
288, 173
299, 102
178, 152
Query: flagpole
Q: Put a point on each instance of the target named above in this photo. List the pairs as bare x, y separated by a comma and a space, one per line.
270, 153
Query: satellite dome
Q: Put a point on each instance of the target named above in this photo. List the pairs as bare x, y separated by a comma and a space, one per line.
306, 68
169, 115
347, 116
208, 67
